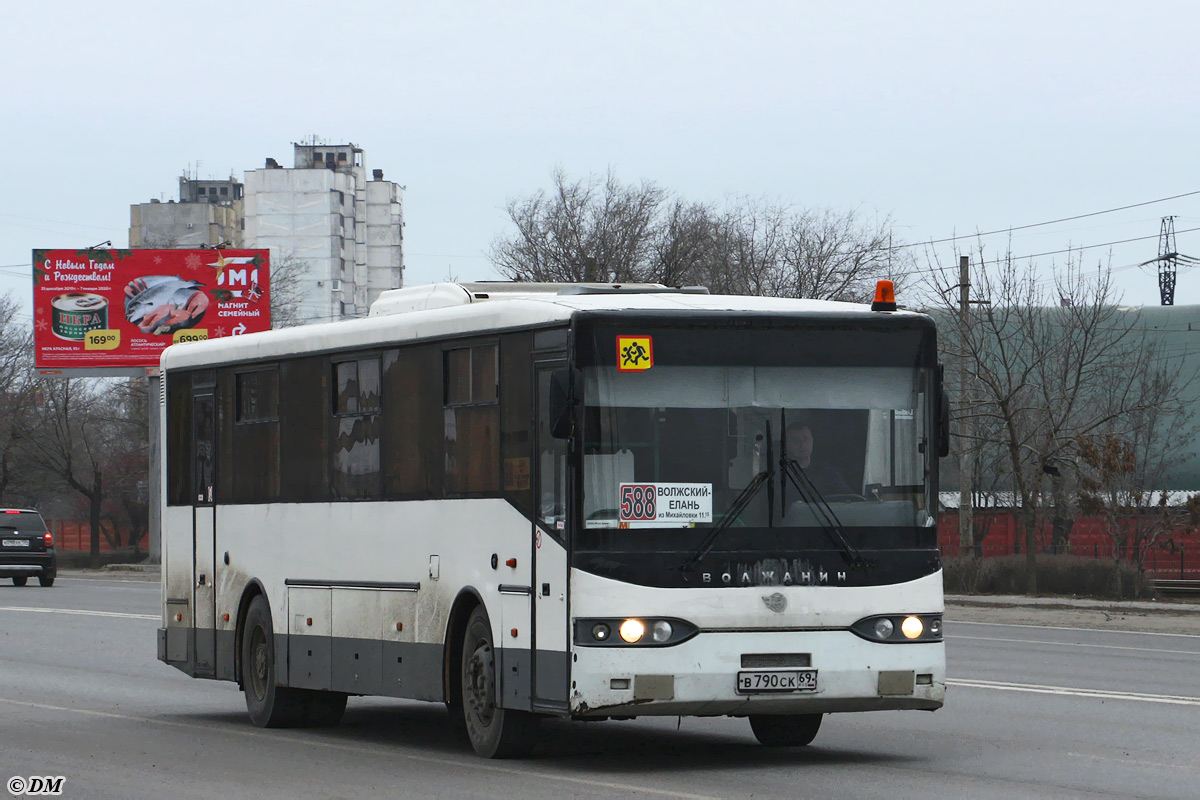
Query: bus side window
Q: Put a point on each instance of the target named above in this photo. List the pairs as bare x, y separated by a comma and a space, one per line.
411, 430
355, 464
516, 436
552, 464
471, 420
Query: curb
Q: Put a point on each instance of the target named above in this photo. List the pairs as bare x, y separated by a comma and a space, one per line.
1078, 603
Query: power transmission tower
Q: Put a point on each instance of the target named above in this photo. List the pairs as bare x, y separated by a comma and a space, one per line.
1168, 260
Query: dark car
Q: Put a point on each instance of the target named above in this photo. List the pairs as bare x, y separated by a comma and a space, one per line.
26, 547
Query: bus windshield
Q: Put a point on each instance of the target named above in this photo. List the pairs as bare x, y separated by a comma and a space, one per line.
756, 447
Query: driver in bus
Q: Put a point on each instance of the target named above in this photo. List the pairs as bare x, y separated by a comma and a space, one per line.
826, 477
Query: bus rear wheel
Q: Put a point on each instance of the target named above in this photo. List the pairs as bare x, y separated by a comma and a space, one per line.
270, 706
494, 732
791, 730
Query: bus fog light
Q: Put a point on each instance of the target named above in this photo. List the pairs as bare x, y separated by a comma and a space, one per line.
884, 628
912, 627
632, 630
601, 632
935, 627
661, 631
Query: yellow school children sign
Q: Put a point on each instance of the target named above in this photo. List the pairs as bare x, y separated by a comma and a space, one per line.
635, 353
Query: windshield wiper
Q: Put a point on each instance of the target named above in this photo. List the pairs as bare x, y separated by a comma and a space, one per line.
821, 510
744, 498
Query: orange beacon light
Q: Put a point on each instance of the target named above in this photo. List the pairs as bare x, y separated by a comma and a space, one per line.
885, 296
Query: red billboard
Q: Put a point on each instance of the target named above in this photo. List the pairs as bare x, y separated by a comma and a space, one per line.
96, 309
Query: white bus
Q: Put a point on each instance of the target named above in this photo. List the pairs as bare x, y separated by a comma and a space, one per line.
580, 501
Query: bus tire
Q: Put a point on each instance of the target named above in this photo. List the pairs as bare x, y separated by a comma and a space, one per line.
788, 730
494, 732
270, 706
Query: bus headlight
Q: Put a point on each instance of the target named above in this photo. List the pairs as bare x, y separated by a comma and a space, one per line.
632, 631
912, 627
900, 628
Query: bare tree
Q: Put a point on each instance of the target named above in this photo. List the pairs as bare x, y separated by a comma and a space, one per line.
16, 396
600, 229
685, 245
73, 439
752, 236
1125, 466
287, 289
838, 256
590, 229
1051, 361
125, 406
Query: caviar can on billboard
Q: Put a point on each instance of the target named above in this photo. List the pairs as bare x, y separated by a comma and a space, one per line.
96, 309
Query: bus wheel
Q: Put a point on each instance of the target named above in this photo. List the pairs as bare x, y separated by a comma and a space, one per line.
494, 732
793, 730
270, 706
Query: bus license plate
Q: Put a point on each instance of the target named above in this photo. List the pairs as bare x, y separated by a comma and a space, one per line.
16, 542
804, 680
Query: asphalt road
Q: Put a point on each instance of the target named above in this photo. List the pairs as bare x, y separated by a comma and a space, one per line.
1032, 711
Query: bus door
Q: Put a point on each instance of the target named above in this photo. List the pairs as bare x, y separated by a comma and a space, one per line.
204, 467
551, 671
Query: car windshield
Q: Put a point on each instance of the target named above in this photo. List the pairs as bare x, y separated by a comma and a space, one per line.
698, 446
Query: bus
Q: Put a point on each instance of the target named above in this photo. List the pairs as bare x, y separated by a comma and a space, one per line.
582, 501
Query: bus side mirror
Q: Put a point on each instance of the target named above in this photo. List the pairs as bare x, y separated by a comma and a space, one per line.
943, 408
562, 402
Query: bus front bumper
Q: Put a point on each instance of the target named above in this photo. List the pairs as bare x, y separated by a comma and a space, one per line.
699, 677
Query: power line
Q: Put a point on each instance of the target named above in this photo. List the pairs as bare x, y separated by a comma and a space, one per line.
1080, 248
1041, 224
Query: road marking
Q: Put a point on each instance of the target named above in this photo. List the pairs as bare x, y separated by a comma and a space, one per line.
1065, 628
82, 611
466, 764
1075, 644
1102, 694
153, 580
1108, 759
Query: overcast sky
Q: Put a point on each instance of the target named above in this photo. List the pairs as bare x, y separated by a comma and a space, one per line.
952, 117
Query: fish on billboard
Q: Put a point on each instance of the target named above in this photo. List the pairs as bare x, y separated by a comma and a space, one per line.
122, 308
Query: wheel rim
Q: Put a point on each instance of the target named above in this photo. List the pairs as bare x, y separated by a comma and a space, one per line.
259, 659
479, 680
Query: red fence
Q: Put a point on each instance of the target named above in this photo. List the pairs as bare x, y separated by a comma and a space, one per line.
74, 535
1174, 555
